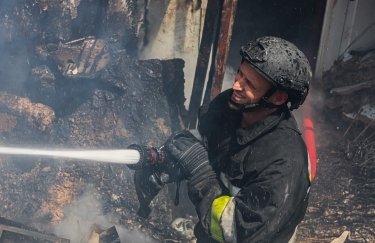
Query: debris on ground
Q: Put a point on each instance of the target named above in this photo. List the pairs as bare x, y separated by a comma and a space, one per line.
343, 193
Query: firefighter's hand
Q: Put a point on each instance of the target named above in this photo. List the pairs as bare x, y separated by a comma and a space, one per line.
187, 151
148, 183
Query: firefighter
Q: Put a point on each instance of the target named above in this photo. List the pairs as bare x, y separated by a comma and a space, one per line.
248, 177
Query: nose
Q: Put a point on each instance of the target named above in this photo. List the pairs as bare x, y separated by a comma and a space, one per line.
237, 84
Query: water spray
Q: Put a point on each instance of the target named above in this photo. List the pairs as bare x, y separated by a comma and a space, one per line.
136, 156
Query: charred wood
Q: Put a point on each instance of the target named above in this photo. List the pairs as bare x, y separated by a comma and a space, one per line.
37, 114
11, 231
69, 78
349, 89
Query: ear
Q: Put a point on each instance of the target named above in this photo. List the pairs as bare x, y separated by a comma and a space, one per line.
279, 97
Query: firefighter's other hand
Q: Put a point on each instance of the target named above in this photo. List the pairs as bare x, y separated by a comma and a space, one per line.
192, 157
148, 183
188, 152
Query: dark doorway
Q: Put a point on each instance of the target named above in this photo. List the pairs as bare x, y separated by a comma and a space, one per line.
297, 21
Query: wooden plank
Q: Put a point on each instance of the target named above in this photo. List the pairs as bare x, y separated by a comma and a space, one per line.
32, 234
345, 90
225, 35
212, 11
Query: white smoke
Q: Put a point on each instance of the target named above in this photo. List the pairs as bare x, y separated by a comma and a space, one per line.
229, 74
85, 212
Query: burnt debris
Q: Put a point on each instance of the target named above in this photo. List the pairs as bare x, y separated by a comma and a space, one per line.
349, 88
11, 231
342, 196
71, 78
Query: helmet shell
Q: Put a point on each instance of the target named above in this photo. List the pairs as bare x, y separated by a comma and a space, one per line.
281, 63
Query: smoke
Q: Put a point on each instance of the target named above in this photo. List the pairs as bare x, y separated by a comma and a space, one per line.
85, 212
13, 59
132, 236
230, 72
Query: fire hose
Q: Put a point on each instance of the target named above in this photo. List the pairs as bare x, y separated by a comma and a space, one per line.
136, 156
152, 168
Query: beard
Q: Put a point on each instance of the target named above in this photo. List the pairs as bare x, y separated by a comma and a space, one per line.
233, 105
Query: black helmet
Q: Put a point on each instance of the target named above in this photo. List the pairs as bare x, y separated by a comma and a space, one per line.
283, 64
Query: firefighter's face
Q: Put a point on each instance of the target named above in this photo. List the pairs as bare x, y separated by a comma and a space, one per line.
249, 86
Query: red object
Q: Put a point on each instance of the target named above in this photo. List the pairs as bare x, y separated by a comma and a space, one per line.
309, 134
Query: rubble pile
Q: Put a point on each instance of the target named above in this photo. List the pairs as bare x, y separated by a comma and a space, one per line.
69, 79
350, 84
349, 88
125, 104
342, 196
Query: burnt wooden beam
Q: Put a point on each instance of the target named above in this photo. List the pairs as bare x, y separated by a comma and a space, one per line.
221, 43
225, 35
349, 89
29, 233
109, 235
208, 35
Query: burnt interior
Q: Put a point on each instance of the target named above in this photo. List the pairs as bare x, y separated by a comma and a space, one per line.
70, 78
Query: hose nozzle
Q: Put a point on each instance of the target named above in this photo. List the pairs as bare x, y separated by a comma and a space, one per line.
148, 156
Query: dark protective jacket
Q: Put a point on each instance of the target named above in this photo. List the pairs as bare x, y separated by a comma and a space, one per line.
268, 165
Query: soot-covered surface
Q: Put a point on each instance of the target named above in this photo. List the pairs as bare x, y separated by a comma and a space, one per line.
71, 79
127, 104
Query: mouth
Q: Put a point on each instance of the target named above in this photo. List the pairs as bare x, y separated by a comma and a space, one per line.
236, 97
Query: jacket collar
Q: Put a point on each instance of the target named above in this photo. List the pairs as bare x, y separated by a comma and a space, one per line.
246, 135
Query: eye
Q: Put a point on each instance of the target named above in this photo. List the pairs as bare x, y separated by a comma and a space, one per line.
250, 84
238, 75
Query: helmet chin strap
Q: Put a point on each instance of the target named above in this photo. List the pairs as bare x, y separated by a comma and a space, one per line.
264, 102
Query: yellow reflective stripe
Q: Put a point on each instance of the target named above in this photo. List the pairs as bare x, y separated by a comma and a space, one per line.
217, 209
309, 178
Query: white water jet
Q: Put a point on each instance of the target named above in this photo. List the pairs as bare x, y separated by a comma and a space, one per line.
120, 156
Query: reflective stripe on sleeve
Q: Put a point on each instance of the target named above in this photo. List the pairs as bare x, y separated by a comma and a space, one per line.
222, 224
